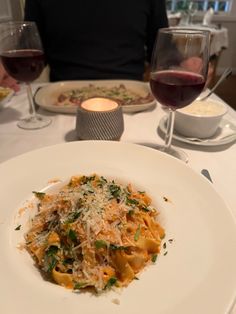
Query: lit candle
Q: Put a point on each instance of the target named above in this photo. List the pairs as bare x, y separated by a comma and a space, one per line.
99, 104
99, 119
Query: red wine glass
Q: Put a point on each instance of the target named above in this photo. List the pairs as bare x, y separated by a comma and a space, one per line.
23, 59
178, 73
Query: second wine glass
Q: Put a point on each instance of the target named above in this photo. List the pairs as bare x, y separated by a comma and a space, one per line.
178, 73
192, 10
23, 59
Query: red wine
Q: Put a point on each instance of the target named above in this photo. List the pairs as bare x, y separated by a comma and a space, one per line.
23, 65
176, 89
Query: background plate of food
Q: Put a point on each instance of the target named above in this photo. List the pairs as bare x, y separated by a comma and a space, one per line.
64, 97
5, 95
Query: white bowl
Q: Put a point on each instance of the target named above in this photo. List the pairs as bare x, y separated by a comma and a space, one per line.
200, 119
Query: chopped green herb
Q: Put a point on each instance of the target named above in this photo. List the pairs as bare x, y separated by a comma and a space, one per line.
72, 217
68, 261
18, 227
165, 253
115, 190
136, 278
170, 240
39, 195
72, 235
99, 244
115, 247
164, 245
80, 285
85, 179
101, 182
52, 264
154, 258
137, 233
90, 191
111, 282
50, 259
145, 208
131, 201
52, 250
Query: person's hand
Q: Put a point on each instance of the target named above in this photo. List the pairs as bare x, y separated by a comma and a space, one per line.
192, 64
195, 64
7, 81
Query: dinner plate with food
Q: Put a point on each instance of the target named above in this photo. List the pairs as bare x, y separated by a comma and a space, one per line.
65, 97
93, 232
5, 95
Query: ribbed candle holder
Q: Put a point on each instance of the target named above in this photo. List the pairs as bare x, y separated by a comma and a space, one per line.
99, 119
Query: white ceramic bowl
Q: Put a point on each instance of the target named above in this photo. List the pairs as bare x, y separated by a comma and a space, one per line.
200, 119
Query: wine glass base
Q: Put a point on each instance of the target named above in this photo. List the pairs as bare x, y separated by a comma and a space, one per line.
177, 153
34, 122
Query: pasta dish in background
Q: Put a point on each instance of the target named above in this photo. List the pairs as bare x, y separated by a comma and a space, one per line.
94, 232
120, 93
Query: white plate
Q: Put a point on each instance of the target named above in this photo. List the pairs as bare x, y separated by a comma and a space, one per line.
226, 133
196, 276
46, 96
4, 100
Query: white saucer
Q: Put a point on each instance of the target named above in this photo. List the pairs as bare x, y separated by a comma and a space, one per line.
225, 134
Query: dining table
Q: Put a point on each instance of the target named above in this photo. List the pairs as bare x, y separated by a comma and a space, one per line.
142, 128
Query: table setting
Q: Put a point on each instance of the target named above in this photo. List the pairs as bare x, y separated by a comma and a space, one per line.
141, 164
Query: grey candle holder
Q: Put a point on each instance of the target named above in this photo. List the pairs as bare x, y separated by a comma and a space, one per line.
99, 125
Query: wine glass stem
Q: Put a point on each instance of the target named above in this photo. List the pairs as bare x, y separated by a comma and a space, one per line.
169, 130
190, 19
30, 99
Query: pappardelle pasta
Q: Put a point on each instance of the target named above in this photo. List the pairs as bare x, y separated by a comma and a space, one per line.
94, 232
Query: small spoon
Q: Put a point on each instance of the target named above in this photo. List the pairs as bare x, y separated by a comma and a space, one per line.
227, 72
206, 174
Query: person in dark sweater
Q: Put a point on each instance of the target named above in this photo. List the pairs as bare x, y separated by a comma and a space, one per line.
102, 39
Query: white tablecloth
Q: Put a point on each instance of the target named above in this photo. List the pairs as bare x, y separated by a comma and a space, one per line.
139, 127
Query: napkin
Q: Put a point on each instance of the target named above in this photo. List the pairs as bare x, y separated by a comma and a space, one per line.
208, 17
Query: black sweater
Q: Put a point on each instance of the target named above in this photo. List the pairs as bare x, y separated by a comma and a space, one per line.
97, 39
